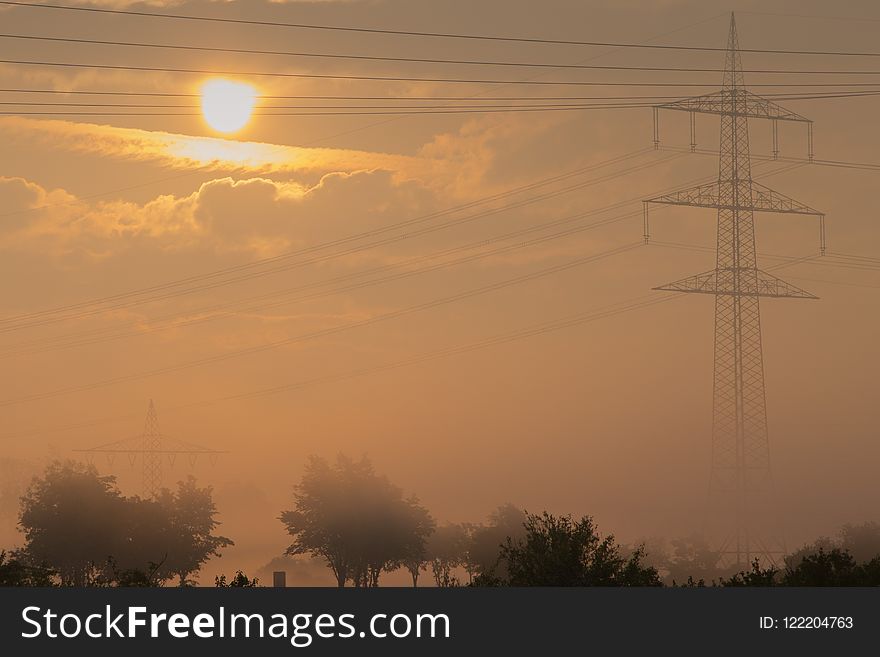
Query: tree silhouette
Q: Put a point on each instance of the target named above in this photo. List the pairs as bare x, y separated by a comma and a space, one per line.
79, 524
558, 551
16, 570
861, 541
73, 519
14, 477
418, 529
692, 557
355, 520
484, 547
191, 513
447, 550
415, 563
794, 559
239, 581
757, 576
834, 567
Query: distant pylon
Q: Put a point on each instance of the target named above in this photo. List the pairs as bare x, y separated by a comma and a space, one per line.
151, 461
151, 446
740, 480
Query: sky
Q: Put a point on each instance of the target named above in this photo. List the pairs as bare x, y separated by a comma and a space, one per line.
610, 417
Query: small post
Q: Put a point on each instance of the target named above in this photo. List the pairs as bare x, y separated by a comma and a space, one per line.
645, 225
775, 139
656, 128
279, 579
821, 234
693, 132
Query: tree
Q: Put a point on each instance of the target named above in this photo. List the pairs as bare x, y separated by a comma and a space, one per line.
834, 567
14, 477
16, 570
73, 519
794, 559
861, 541
406, 529
869, 572
558, 551
693, 557
355, 520
447, 550
757, 576
191, 513
415, 563
79, 524
239, 581
484, 547
421, 528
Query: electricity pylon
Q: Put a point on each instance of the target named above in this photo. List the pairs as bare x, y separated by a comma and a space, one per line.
740, 480
151, 446
151, 457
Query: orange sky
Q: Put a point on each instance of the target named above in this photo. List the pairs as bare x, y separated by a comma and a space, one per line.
610, 418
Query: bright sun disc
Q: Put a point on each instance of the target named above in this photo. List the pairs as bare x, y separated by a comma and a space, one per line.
226, 105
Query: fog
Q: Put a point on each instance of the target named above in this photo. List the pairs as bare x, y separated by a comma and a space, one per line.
610, 418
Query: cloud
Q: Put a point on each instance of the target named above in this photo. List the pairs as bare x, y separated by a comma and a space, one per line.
122, 4
255, 214
19, 196
184, 151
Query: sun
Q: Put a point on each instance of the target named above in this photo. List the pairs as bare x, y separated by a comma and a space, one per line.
226, 105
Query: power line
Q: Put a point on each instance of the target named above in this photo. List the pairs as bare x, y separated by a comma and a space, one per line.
249, 351
536, 330
318, 55
825, 261
379, 78
45, 318
429, 112
854, 86
850, 256
369, 78
575, 320
842, 164
365, 110
100, 304
514, 336
480, 103
101, 336
372, 58
531, 331
854, 19
210, 313
843, 283
206, 282
448, 35
12, 103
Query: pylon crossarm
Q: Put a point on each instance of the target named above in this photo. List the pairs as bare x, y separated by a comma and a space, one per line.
750, 283
763, 199
178, 446
704, 283
701, 196
124, 445
745, 104
771, 286
166, 445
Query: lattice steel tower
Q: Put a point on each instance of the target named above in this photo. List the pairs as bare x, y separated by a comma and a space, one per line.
151, 447
151, 456
740, 480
